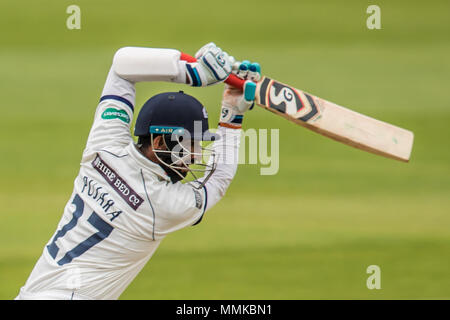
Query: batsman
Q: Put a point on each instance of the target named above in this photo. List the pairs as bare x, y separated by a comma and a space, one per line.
128, 196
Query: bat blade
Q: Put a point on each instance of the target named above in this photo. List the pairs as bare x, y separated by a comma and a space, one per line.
335, 122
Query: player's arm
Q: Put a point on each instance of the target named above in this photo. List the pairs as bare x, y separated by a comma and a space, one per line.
185, 204
190, 208
235, 103
130, 65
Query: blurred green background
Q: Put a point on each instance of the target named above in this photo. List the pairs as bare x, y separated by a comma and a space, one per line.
308, 232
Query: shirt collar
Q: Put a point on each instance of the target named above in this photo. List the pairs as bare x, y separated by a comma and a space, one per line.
146, 163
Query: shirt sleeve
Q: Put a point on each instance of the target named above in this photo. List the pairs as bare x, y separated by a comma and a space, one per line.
227, 154
114, 113
177, 206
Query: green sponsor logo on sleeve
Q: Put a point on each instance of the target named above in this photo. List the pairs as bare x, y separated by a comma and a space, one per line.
112, 113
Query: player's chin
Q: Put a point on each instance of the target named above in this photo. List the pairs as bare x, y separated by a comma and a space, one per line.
176, 174
183, 171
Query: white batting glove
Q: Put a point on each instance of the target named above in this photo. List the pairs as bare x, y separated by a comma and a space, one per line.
235, 101
213, 66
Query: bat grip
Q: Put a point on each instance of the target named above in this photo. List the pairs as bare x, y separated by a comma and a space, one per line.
232, 79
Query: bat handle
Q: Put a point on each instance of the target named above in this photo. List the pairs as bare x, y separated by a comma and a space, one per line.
232, 79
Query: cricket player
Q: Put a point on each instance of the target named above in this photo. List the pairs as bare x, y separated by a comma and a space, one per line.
128, 196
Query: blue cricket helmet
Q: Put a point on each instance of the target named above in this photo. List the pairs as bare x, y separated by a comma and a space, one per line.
174, 113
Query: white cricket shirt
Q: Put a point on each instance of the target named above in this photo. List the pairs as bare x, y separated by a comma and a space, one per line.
121, 207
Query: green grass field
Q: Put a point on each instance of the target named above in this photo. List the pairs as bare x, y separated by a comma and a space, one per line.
308, 232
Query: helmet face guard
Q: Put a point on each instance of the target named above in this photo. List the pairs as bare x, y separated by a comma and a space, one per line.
184, 156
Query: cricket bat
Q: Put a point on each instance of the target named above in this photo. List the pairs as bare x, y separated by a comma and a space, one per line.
329, 119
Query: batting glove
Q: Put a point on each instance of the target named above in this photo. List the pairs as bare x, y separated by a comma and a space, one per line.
213, 66
235, 101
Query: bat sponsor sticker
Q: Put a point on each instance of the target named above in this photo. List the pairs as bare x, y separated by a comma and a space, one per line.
285, 99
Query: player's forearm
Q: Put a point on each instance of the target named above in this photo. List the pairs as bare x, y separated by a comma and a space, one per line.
149, 64
227, 151
132, 64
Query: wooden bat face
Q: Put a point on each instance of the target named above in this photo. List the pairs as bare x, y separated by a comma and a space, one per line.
333, 121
